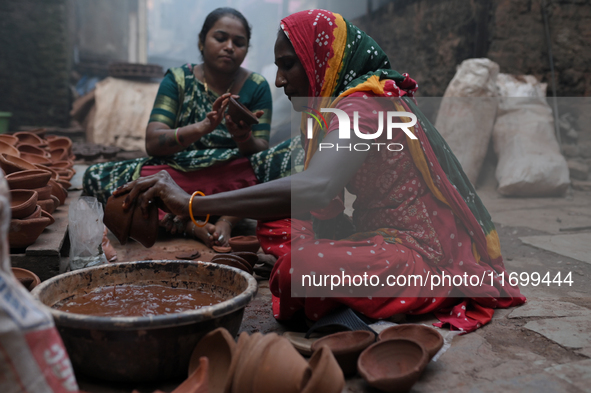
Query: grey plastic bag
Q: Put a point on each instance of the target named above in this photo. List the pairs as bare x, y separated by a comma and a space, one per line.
86, 233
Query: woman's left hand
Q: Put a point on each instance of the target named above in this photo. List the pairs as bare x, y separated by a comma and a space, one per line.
239, 131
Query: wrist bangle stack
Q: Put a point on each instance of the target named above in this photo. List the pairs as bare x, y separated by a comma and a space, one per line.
176, 137
243, 138
191, 210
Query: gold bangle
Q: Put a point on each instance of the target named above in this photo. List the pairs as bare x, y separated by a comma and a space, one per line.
191, 210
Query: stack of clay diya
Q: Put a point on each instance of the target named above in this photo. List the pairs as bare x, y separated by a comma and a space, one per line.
131, 223
240, 254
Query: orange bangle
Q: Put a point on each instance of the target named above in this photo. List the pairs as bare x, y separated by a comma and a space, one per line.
191, 210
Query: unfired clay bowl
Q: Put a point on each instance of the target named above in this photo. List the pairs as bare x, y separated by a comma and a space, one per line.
23, 233
26, 180
144, 231
239, 112
393, 365
424, 335
218, 347
244, 243
327, 376
117, 219
346, 347
26, 277
22, 203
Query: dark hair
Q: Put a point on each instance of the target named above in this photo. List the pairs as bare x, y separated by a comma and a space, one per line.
215, 15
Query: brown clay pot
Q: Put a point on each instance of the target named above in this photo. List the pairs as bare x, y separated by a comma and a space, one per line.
65, 174
393, 365
198, 381
44, 192
424, 335
117, 219
59, 154
26, 277
58, 191
232, 260
60, 142
23, 203
218, 347
54, 174
23, 233
10, 139
7, 148
243, 340
47, 204
281, 369
327, 376
144, 231
10, 164
244, 243
32, 149
35, 159
29, 138
36, 213
62, 164
249, 362
56, 202
48, 215
346, 347
65, 184
239, 112
221, 249
250, 257
30, 179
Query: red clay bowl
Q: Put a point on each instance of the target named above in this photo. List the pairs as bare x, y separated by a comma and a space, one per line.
62, 164
144, 231
23, 203
346, 347
26, 180
248, 365
29, 139
48, 205
10, 164
244, 243
44, 192
59, 154
32, 149
239, 263
23, 233
62, 142
117, 219
239, 112
9, 149
58, 191
222, 249
54, 174
424, 335
26, 277
35, 159
10, 139
65, 174
65, 184
36, 213
393, 365
327, 376
48, 215
218, 347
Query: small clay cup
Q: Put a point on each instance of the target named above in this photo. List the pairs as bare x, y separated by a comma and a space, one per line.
23, 233
36, 213
9, 149
10, 139
58, 191
393, 365
29, 139
250, 257
327, 376
60, 142
424, 335
281, 369
47, 204
31, 179
244, 243
117, 219
239, 112
10, 164
32, 149
346, 347
23, 203
26, 277
35, 159
44, 192
218, 347
144, 231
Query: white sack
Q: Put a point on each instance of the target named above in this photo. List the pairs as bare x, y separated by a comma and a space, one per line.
530, 162
466, 123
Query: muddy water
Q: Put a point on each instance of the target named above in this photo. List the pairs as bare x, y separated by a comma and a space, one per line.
138, 301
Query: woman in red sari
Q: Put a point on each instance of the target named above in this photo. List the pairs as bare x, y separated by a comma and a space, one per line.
415, 213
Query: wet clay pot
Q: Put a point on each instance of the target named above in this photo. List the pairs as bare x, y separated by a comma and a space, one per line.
198, 381
9, 149
23, 233
117, 219
327, 376
244, 243
151, 348
10, 164
239, 112
26, 180
23, 203
10, 139
281, 369
218, 347
424, 335
393, 365
48, 205
142, 230
26, 277
346, 347
29, 139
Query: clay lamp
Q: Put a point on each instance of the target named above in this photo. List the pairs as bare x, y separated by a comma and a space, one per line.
244, 243
48, 205
65, 174
62, 164
281, 369
198, 380
243, 340
117, 219
44, 213
233, 262
346, 347
59, 154
58, 191
23, 233
10, 139
239, 112
60, 142
44, 192
29, 179
218, 347
144, 231
36, 213
222, 249
65, 184
327, 376
424, 335
10, 164
9, 149
250, 257
26, 277
302, 344
23, 203
248, 365
393, 365
35, 159
32, 149
29, 138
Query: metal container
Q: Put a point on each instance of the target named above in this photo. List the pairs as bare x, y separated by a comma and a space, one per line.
142, 349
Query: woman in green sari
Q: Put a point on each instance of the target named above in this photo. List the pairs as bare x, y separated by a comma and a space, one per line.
189, 136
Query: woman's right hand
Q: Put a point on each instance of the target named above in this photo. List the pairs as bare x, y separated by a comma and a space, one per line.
160, 189
215, 117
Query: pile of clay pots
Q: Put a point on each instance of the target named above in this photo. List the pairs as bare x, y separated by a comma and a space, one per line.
38, 172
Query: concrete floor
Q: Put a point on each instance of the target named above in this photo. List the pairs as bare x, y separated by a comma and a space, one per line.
543, 346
